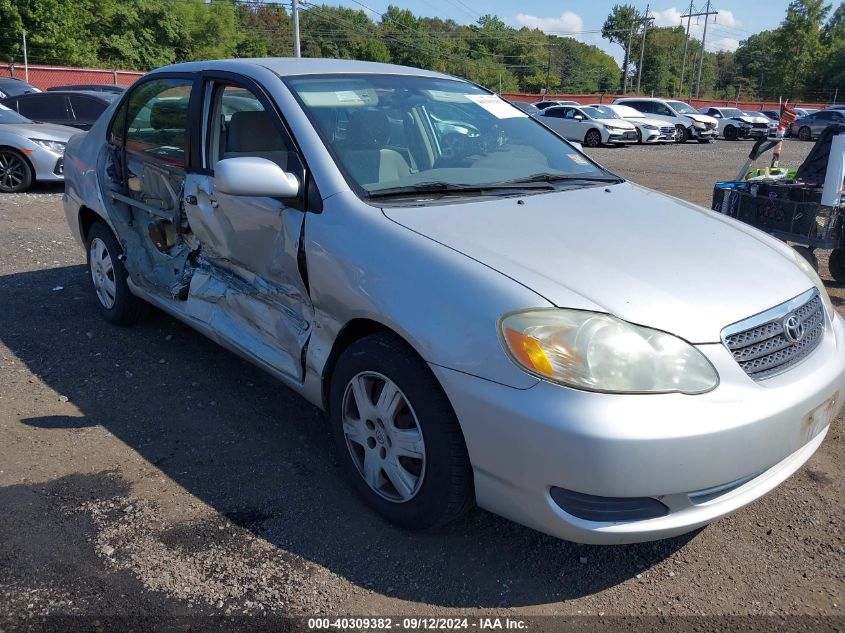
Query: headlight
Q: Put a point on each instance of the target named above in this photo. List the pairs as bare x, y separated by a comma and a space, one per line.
699, 125
804, 265
53, 146
648, 126
598, 352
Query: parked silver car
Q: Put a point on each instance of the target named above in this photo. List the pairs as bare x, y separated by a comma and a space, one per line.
809, 127
505, 324
30, 151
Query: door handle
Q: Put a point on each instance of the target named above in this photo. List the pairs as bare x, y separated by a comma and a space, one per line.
190, 200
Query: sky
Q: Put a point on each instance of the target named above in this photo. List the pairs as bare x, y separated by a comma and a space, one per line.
736, 20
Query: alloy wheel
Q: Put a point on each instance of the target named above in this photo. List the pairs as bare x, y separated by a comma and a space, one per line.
102, 273
13, 172
383, 436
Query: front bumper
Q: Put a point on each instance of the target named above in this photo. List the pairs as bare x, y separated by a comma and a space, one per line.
656, 136
709, 133
48, 165
628, 136
702, 456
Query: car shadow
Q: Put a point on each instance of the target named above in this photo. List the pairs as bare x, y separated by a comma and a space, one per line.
257, 453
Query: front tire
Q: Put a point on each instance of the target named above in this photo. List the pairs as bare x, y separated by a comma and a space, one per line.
681, 134
730, 133
836, 264
592, 138
397, 436
805, 134
15, 172
108, 276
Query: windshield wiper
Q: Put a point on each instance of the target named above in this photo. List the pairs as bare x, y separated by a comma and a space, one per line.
546, 177
450, 188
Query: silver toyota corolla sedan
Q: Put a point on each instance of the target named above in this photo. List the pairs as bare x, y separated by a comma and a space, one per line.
30, 151
487, 315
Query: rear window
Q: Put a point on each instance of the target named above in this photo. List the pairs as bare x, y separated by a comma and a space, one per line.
86, 108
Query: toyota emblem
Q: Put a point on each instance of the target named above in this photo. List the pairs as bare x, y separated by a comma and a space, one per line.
793, 329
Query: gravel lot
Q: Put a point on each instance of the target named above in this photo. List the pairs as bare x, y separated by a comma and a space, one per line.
148, 471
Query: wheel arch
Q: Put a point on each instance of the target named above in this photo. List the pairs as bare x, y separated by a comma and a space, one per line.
86, 219
351, 332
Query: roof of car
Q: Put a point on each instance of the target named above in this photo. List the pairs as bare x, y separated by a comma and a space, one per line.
290, 66
620, 99
106, 96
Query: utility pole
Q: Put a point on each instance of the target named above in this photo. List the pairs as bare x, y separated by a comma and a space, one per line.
548, 68
295, 20
645, 21
688, 16
627, 57
25, 58
707, 13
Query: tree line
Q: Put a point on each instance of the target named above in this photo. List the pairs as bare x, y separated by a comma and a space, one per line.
804, 58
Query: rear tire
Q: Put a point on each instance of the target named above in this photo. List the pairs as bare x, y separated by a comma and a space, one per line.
15, 171
836, 264
805, 134
108, 276
373, 433
809, 255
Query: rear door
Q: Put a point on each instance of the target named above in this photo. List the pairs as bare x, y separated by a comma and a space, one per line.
249, 286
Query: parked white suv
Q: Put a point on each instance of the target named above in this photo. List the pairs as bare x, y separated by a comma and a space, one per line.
689, 123
649, 130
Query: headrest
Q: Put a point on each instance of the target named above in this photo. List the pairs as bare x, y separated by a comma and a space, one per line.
253, 131
169, 115
368, 129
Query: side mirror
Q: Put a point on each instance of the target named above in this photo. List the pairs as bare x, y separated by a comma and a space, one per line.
579, 117
716, 115
254, 176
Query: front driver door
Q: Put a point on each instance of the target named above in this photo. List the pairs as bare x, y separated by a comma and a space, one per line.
248, 286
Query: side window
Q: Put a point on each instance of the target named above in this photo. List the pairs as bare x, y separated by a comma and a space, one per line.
117, 125
556, 113
239, 125
643, 106
43, 107
824, 116
86, 108
12, 104
157, 114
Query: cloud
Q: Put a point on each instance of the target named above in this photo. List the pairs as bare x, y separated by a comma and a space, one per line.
723, 44
672, 17
568, 22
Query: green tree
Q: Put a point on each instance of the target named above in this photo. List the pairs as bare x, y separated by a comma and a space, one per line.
623, 21
799, 42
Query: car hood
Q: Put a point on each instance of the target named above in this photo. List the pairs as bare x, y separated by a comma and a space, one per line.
638, 254
620, 123
46, 131
702, 118
648, 121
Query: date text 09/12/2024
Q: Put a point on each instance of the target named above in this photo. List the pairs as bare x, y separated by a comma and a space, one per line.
416, 623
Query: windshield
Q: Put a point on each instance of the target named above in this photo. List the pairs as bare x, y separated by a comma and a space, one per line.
600, 112
10, 116
627, 112
731, 113
683, 108
389, 132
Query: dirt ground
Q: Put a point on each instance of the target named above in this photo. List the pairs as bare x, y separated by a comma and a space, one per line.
146, 471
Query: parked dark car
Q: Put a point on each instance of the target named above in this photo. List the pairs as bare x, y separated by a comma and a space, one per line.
77, 109
118, 90
809, 127
10, 87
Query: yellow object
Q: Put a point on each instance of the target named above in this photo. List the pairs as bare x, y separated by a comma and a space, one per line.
528, 351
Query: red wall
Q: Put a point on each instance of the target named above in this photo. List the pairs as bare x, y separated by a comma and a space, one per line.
47, 76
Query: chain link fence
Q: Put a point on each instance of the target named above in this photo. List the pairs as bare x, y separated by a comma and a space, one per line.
43, 77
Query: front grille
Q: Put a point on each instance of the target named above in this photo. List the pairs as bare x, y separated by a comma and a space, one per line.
770, 347
669, 130
760, 126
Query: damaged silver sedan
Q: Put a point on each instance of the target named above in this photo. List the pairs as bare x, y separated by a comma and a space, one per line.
486, 314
